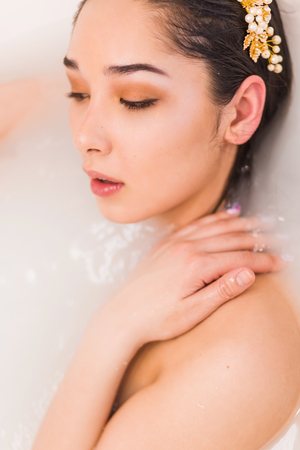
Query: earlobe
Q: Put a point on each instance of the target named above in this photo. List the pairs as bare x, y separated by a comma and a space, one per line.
245, 110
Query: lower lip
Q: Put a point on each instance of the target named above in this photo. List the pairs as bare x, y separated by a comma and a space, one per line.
105, 189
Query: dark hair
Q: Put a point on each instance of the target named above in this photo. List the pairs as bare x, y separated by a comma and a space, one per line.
214, 31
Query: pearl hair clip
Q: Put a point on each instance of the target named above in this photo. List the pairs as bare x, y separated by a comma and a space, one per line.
260, 37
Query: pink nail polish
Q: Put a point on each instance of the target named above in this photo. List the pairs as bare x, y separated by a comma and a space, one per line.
235, 209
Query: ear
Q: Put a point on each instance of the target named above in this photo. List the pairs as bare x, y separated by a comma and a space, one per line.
245, 110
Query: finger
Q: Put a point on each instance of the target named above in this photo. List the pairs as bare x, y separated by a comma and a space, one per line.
217, 264
206, 220
234, 225
239, 241
221, 215
229, 286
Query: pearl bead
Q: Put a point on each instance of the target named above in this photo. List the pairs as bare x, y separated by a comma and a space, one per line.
274, 59
249, 18
259, 30
268, 2
253, 10
280, 58
252, 26
276, 49
271, 67
270, 31
278, 68
263, 25
266, 54
276, 39
259, 19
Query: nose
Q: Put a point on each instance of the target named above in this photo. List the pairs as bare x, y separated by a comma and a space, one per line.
90, 136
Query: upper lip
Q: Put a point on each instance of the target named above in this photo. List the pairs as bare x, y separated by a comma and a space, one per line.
97, 175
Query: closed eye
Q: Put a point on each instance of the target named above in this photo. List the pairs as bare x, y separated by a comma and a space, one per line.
78, 96
129, 105
138, 105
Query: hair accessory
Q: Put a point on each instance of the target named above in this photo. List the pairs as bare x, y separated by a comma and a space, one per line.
260, 37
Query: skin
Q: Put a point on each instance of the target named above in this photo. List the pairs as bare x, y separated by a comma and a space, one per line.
189, 368
25, 101
173, 141
227, 384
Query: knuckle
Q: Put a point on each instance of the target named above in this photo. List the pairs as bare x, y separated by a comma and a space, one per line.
222, 223
195, 261
228, 225
250, 257
183, 247
226, 290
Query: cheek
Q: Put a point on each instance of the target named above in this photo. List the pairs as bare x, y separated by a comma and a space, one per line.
76, 116
172, 152
73, 120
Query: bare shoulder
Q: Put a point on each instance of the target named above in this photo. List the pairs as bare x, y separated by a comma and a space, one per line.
258, 333
230, 383
262, 318
247, 354
255, 341
264, 313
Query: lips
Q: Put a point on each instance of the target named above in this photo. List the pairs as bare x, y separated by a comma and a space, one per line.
103, 185
100, 176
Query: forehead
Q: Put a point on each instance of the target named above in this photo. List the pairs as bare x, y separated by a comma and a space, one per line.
125, 32
116, 29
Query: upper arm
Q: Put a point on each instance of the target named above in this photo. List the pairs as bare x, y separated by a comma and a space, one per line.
234, 395
18, 99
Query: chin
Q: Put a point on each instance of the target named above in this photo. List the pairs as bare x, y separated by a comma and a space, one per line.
121, 213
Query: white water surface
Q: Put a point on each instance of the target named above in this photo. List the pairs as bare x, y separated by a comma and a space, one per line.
59, 258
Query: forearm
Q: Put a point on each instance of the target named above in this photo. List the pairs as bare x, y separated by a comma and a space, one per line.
84, 399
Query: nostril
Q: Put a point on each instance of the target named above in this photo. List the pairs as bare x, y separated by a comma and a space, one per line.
93, 150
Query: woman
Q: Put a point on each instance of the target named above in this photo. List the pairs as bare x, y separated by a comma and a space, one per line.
165, 105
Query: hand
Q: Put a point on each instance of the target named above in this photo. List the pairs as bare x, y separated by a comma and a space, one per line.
167, 294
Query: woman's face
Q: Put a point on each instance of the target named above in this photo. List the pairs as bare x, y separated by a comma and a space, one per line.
143, 117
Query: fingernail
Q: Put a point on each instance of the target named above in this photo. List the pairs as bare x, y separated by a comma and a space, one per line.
287, 258
234, 209
244, 278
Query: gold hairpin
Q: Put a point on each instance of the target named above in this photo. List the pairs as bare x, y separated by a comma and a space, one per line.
260, 36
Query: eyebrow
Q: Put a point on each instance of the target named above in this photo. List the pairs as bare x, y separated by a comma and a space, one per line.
132, 68
120, 70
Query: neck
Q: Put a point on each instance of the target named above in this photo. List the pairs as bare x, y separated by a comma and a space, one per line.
186, 213
203, 202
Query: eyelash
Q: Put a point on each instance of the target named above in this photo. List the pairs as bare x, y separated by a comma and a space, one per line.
79, 97
138, 105
129, 105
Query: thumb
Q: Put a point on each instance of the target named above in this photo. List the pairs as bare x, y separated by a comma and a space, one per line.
225, 288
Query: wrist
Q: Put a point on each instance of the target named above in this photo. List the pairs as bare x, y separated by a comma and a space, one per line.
118, 327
